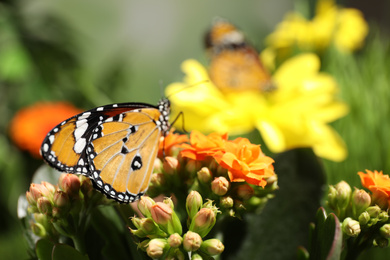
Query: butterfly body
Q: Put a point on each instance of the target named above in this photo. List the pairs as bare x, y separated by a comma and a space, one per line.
114, 145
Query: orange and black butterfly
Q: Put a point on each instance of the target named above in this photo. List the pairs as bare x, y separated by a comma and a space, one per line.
114, 145
234, 65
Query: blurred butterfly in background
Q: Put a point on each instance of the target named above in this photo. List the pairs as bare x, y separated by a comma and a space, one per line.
114, 145
234, 65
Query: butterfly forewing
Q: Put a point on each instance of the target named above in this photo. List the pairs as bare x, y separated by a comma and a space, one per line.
114, 145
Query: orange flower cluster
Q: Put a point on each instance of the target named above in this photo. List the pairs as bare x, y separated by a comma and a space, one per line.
168, 145
30, 125
243, 160
379, 185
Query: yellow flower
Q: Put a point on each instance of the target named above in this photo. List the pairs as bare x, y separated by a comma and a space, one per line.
343, 27
295, 115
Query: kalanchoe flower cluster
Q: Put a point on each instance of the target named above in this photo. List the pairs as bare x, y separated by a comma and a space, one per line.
56, 208
166, 238
234, 173
364, 216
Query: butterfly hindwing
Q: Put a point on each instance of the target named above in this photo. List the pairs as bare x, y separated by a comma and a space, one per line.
114, 145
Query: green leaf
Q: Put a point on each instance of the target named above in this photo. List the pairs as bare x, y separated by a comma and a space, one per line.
283, 224
44, 249
65, 252
326, 241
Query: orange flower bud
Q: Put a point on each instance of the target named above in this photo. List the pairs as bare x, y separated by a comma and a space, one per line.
48, 189
170, 165
61, 199
212, 247
156, 247
204, 175
175, 240
191, 241
203, 221
70, 183
145, 205
220, 186
245, 192
161, 213
194, 202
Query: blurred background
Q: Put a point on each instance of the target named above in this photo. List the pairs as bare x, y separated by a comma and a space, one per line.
91, 53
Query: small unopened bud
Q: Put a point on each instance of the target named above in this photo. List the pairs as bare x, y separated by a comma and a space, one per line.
48, 189
212, 247
35, 192
192, 166
70, 183
343, 194
169, 202
204, 175
175, 240
136, 222
245, 192
226, 202
203, 221
220, 186
170, 165
145, 204
166, 218
381, 242
364, 218
156, 247
61, 199
360, 201
351, 227
383, 216
374, 211
332, 197
44, 205
385, 231
85, 185
196, 257
191, 241
194, 202
157, 179
38, 229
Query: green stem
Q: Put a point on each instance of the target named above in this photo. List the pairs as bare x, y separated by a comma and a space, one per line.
79, 243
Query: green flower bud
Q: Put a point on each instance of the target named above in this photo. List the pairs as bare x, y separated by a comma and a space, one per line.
194, 202
204, 175
156, 247
169, 202
383, 216
136, 222
226, 202
143, 245
385, 231
360, 201
196, 257
203, 221
374, 211
381, 242
245, 192
343, 194
332, 197
191, 241
351, 227
212, 247
38, 229
364, 218
150, 228
175, 240
145, 204
220, 186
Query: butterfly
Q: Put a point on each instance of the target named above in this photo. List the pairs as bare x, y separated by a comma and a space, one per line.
234, 65
114, 145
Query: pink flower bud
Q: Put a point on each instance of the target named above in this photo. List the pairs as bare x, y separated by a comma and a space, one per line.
203, 221
245, 192
170, 165
220, 186
61, 199
175, 240
161, 213
191, 241
70, 183
44, 205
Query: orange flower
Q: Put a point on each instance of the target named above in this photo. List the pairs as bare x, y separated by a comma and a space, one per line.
30, 125
202, 146
245, 162
379, 185
169, 144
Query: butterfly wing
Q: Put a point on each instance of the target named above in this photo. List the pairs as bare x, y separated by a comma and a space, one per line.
122, 151
114, 145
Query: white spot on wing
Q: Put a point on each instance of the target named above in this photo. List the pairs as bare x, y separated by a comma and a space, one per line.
99, 109
84, 115
80, 145
51, 139
45, 147
80, 130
